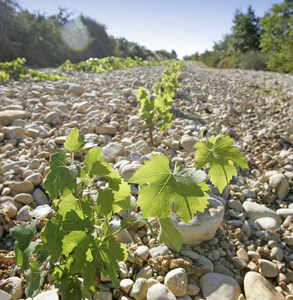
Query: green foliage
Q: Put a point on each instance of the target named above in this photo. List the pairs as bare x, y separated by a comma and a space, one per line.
185, 188
108, 64
221, 156
76, 245
17, 70
277, 37
246, 32
157, 110
253, 60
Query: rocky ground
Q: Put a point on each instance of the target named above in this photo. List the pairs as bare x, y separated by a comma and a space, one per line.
240, 248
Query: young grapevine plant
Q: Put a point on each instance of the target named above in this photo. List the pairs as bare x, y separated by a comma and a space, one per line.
157, 110
17, 69
76, 246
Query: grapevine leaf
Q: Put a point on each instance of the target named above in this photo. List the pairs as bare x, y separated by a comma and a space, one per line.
122, 199
97, 166
91, 157
71, 202
185, 188
24, 233
60, 177
169, 233
111, 200
221, 156
75, 222
166, 121
34, 279
71, 240
105, 202
23, 258
93, 254
52, 237
74, 141
69, 286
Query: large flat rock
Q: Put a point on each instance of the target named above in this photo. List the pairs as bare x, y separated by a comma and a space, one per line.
8, 116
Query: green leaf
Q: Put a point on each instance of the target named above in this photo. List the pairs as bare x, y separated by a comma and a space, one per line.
52, 236
97, 166
23, 258
169, 233
23, 234
221, 155
71, 240
74, 141
71, 202
69, 286
34, 279
186, 188
60, 177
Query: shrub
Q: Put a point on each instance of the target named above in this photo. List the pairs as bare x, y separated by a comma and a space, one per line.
253, 60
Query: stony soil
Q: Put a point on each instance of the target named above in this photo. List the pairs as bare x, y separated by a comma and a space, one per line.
249, 255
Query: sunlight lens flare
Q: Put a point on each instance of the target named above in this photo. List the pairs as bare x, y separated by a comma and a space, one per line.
75, 35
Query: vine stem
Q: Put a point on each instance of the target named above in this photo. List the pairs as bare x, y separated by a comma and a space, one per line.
151, 135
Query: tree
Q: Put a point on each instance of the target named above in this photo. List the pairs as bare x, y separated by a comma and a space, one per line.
222, 45
246, 32
277, 37
173, 54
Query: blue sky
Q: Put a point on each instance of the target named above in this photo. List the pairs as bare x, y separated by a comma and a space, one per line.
185, 26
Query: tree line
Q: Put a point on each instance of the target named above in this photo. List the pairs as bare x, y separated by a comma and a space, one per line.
50, 40
255, 43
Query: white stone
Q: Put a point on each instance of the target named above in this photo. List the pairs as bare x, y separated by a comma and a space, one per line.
24, 198
256, 287
268, 268
277, 253
159, 292
139, 289
8, 116
218, 286
176, 281
23, 215
14, 287
187, 143
285, 212
111, 151
126, 285
128, 170
203, 225
160, 250
281, 185
267, 223
255, 211
47, 295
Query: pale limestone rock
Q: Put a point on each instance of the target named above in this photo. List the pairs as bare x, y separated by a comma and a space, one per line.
8, 116
255, 211
267, 268
126, 285
139, 289
256, 287
218, 286
160, 292
203, 225
24, 198
176, 281
111, 151
281, 185
267, 223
